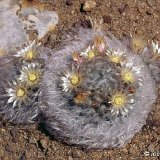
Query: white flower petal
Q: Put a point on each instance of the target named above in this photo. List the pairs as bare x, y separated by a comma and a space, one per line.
126, 110
14, 82
131, 101
117, 112
123, 112
15, 103
12, 94
131, 107
9, 90
112, 110
140, 84
11, 99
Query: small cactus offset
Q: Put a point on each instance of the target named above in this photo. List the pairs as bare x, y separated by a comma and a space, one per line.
94, 91
20, 85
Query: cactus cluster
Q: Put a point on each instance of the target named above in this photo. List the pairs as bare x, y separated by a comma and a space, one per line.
96, 91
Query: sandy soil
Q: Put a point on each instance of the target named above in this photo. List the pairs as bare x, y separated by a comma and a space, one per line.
121, 18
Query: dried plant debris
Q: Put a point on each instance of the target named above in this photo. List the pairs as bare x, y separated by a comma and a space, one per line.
138, 43
97, 90
20, 84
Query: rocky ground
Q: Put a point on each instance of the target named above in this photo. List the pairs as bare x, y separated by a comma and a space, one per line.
121, 17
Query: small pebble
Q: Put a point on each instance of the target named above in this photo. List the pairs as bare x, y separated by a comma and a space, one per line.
8, 148
122, 8
52, 38
82, 23
151, 3
6, 158
151, 147
132, 151
149, 11
2, 153
107, 19
69, 2
89, 5
32, 140
44, 143
22, 157
70, 158
14, 133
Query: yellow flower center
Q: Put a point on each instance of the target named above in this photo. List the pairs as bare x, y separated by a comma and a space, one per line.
128, 77
115, 59
21, 92
118, 100
91, 54
32, 77
75, 80
29, 55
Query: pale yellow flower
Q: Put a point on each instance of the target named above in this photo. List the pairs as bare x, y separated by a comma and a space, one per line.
18, 94
29, 53
131, 73
71, 80
31, 74
115, 56
89, 53
121, 103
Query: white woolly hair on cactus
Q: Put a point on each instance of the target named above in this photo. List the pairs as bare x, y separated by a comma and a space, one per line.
151, 56
108, 111
20, 84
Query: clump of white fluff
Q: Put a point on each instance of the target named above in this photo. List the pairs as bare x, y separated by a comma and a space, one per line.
82, 125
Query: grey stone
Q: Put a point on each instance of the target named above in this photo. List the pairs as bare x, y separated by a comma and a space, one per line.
12, 31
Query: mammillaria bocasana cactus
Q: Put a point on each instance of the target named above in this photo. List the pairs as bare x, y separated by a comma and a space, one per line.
20, 80
96, 91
